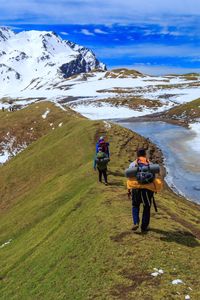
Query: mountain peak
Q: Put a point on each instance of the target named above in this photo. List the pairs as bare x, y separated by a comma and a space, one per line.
41, 55
5, 33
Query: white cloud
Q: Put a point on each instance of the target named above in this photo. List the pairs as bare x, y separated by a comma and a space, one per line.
130, 38
98, 11
195, 59
163, 31
100, 31
167, 32
64, 33
148, 50
86, 32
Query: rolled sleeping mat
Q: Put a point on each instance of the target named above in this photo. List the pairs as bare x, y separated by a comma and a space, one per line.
131, 172
154, 168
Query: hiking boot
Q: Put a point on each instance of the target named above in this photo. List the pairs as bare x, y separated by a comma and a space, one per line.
144, 230
135, 227
106, 183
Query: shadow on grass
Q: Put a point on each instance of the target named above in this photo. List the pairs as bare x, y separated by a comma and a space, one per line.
119, 237
181, 237
116, 173
116, 183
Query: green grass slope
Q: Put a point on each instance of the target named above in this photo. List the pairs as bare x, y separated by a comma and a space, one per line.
29, 124
185, 113
70, 236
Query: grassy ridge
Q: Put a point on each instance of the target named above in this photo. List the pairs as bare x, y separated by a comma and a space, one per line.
187, 112
28, 125
71, 236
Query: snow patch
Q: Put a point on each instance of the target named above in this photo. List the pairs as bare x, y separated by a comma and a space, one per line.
4, 156
157, 272
177, 281
6, 243
9, 148
108, 111
195, 142
45, 114
107, 125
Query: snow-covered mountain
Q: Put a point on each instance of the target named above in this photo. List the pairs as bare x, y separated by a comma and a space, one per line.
37, 65
37, 55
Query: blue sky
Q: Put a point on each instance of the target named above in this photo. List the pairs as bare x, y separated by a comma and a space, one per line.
147, 35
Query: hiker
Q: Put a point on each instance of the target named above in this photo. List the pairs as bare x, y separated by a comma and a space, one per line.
142, 190
104, 145
100, 162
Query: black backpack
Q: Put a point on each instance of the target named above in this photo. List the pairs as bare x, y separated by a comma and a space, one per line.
102, 160
144, 174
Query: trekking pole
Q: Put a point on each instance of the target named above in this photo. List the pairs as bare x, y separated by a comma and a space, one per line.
154, 204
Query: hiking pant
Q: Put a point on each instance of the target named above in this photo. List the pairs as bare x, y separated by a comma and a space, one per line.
104, 173
141, 196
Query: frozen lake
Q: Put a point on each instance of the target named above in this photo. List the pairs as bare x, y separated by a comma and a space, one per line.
181, 156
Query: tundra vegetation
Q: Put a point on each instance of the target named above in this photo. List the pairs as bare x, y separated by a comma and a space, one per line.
65, 236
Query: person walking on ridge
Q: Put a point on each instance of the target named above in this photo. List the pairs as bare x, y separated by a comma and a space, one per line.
103, 145
141, 195
100, 162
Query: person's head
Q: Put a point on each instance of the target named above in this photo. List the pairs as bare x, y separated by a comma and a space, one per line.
101, 139
141, 152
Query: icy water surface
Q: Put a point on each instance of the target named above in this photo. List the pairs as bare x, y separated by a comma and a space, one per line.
181, 160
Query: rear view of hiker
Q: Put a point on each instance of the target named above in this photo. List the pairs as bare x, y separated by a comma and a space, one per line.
101, 161
103, 145
141, 188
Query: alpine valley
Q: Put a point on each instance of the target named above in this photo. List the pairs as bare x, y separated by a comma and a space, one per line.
63, 235
37, 65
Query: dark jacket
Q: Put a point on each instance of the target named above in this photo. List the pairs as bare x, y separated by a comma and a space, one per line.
103, 145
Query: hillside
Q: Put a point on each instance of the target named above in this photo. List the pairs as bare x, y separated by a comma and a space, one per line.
186, 113
18, 132
183, 114
65, 236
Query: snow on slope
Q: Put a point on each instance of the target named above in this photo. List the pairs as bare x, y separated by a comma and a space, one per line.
195, 142
31, 55
37, 64
101, 111
86, 93
99, 87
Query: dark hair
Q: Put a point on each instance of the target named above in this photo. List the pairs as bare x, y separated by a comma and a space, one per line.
141, 152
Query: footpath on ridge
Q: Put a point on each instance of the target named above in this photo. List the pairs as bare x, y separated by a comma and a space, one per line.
65, 236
